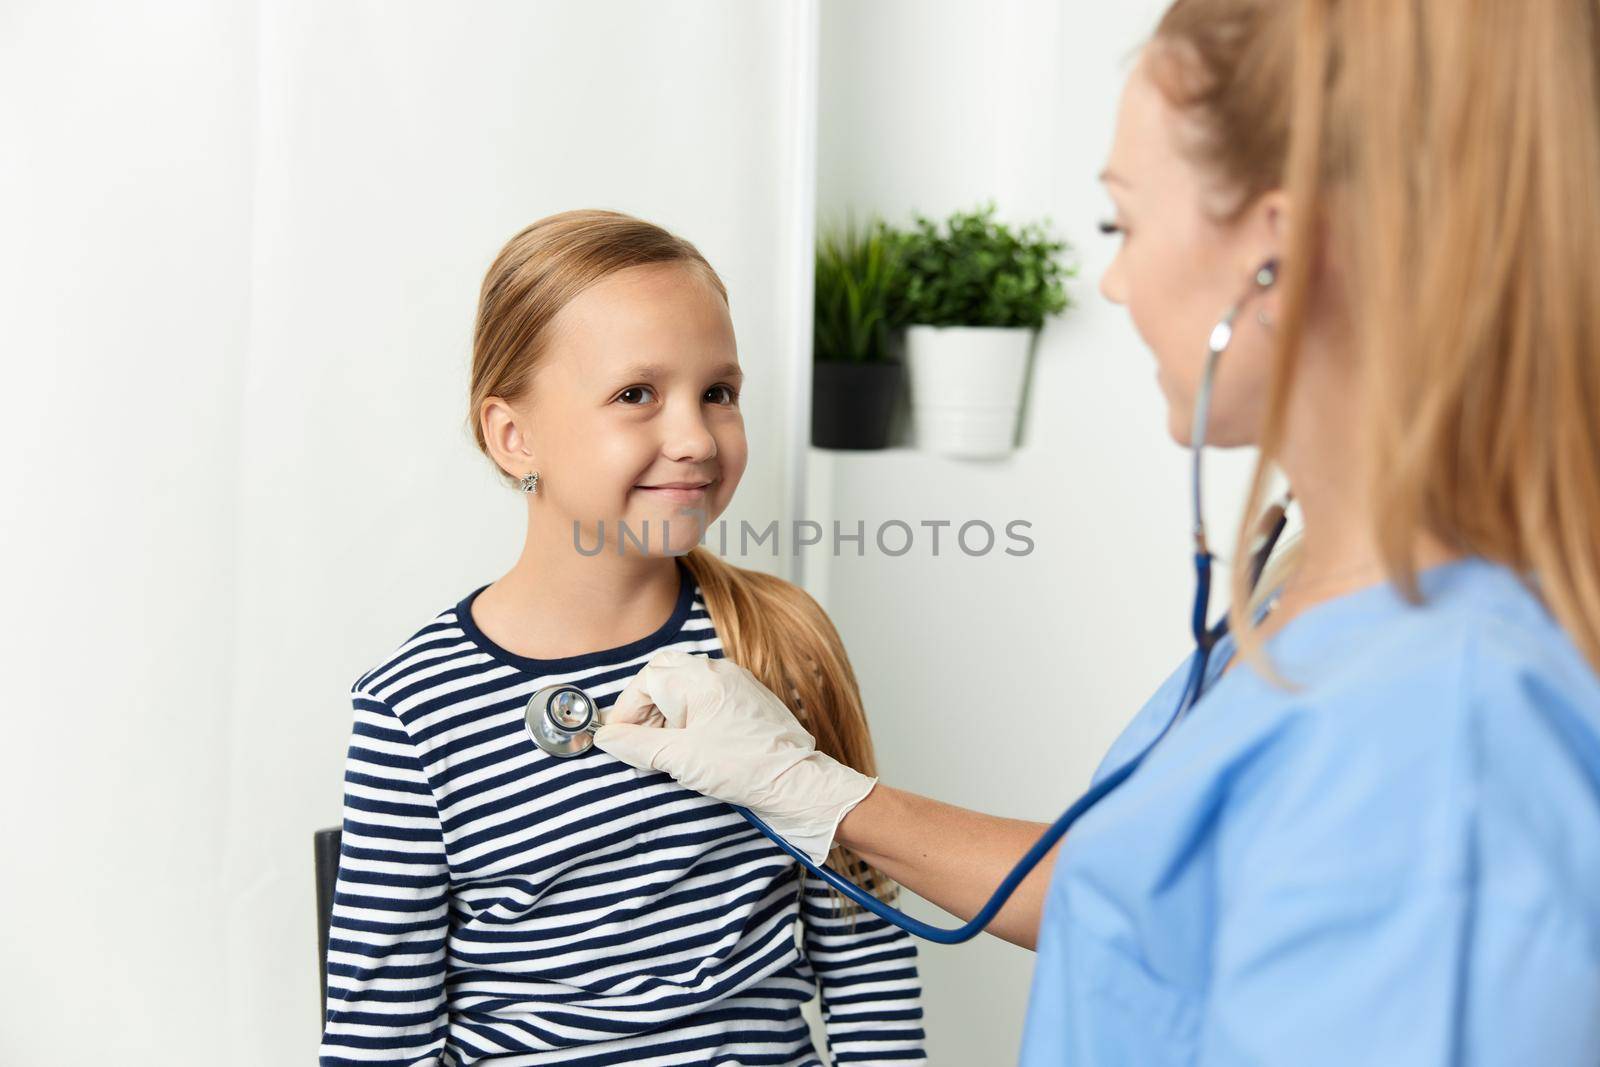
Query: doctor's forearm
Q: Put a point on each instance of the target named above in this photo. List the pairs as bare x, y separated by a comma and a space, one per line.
951, 856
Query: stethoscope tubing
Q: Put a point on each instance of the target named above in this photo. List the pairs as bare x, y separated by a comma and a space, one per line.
974, 926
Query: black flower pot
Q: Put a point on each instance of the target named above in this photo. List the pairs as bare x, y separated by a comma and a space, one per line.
851, 403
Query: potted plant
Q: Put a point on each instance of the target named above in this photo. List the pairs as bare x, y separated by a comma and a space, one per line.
974, 295
855, 378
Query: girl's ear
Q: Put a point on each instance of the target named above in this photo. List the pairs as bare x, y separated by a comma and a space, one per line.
506, 442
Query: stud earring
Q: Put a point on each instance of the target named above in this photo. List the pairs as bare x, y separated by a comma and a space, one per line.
530, 482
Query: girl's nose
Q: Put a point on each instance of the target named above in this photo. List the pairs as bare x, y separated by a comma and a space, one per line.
688, 438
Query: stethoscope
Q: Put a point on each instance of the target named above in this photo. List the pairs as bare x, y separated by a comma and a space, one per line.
562, 718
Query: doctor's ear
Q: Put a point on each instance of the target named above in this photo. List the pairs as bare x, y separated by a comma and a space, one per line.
1266, 230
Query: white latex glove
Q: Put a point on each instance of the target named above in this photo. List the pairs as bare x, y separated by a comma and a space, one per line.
716, 729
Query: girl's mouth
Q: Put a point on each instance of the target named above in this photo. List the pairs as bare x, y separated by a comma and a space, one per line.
684, 491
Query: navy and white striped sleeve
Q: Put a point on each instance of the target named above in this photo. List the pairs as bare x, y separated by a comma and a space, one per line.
391, 908
867, 977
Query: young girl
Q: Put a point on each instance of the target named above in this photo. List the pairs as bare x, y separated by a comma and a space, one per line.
499, 904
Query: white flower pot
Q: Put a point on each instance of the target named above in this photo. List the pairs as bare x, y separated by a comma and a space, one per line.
966, 387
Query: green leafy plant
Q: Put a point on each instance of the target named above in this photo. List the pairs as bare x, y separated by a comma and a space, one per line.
976, 271
858, 273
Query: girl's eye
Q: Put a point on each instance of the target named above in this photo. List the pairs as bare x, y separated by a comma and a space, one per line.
1108, 227
730, 395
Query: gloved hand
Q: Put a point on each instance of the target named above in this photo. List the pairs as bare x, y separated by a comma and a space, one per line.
715, 728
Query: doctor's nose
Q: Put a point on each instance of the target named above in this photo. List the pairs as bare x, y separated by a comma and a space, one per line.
1111, 283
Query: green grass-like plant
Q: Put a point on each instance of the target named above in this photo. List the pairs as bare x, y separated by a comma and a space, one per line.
858, 273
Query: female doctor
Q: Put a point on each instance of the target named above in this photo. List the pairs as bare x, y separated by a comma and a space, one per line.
1374, 838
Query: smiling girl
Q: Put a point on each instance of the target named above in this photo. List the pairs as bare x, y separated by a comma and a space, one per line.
499, 904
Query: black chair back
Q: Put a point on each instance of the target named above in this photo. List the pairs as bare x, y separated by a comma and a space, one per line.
325, 849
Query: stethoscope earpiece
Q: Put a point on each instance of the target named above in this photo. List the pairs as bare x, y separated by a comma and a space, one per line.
562, 720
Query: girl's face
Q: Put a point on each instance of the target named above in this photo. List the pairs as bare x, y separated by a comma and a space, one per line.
638, 390
1178, 269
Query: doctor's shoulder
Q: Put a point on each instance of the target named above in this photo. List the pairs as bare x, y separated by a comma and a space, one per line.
1491, 668
1442, 739
1476, 643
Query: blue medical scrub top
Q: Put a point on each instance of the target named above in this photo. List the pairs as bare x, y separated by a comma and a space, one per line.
1397, 864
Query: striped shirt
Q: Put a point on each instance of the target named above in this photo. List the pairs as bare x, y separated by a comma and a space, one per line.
496, 903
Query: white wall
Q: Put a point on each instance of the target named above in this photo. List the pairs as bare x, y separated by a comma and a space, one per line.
124, 316
936, 106
243, 244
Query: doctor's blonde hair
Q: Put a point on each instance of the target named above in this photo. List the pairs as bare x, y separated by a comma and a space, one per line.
771, 627
1447, 154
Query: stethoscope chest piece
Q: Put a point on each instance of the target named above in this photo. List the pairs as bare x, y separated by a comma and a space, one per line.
562, 720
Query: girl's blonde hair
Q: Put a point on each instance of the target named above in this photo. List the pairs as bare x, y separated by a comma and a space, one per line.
771, 627
1446, 153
